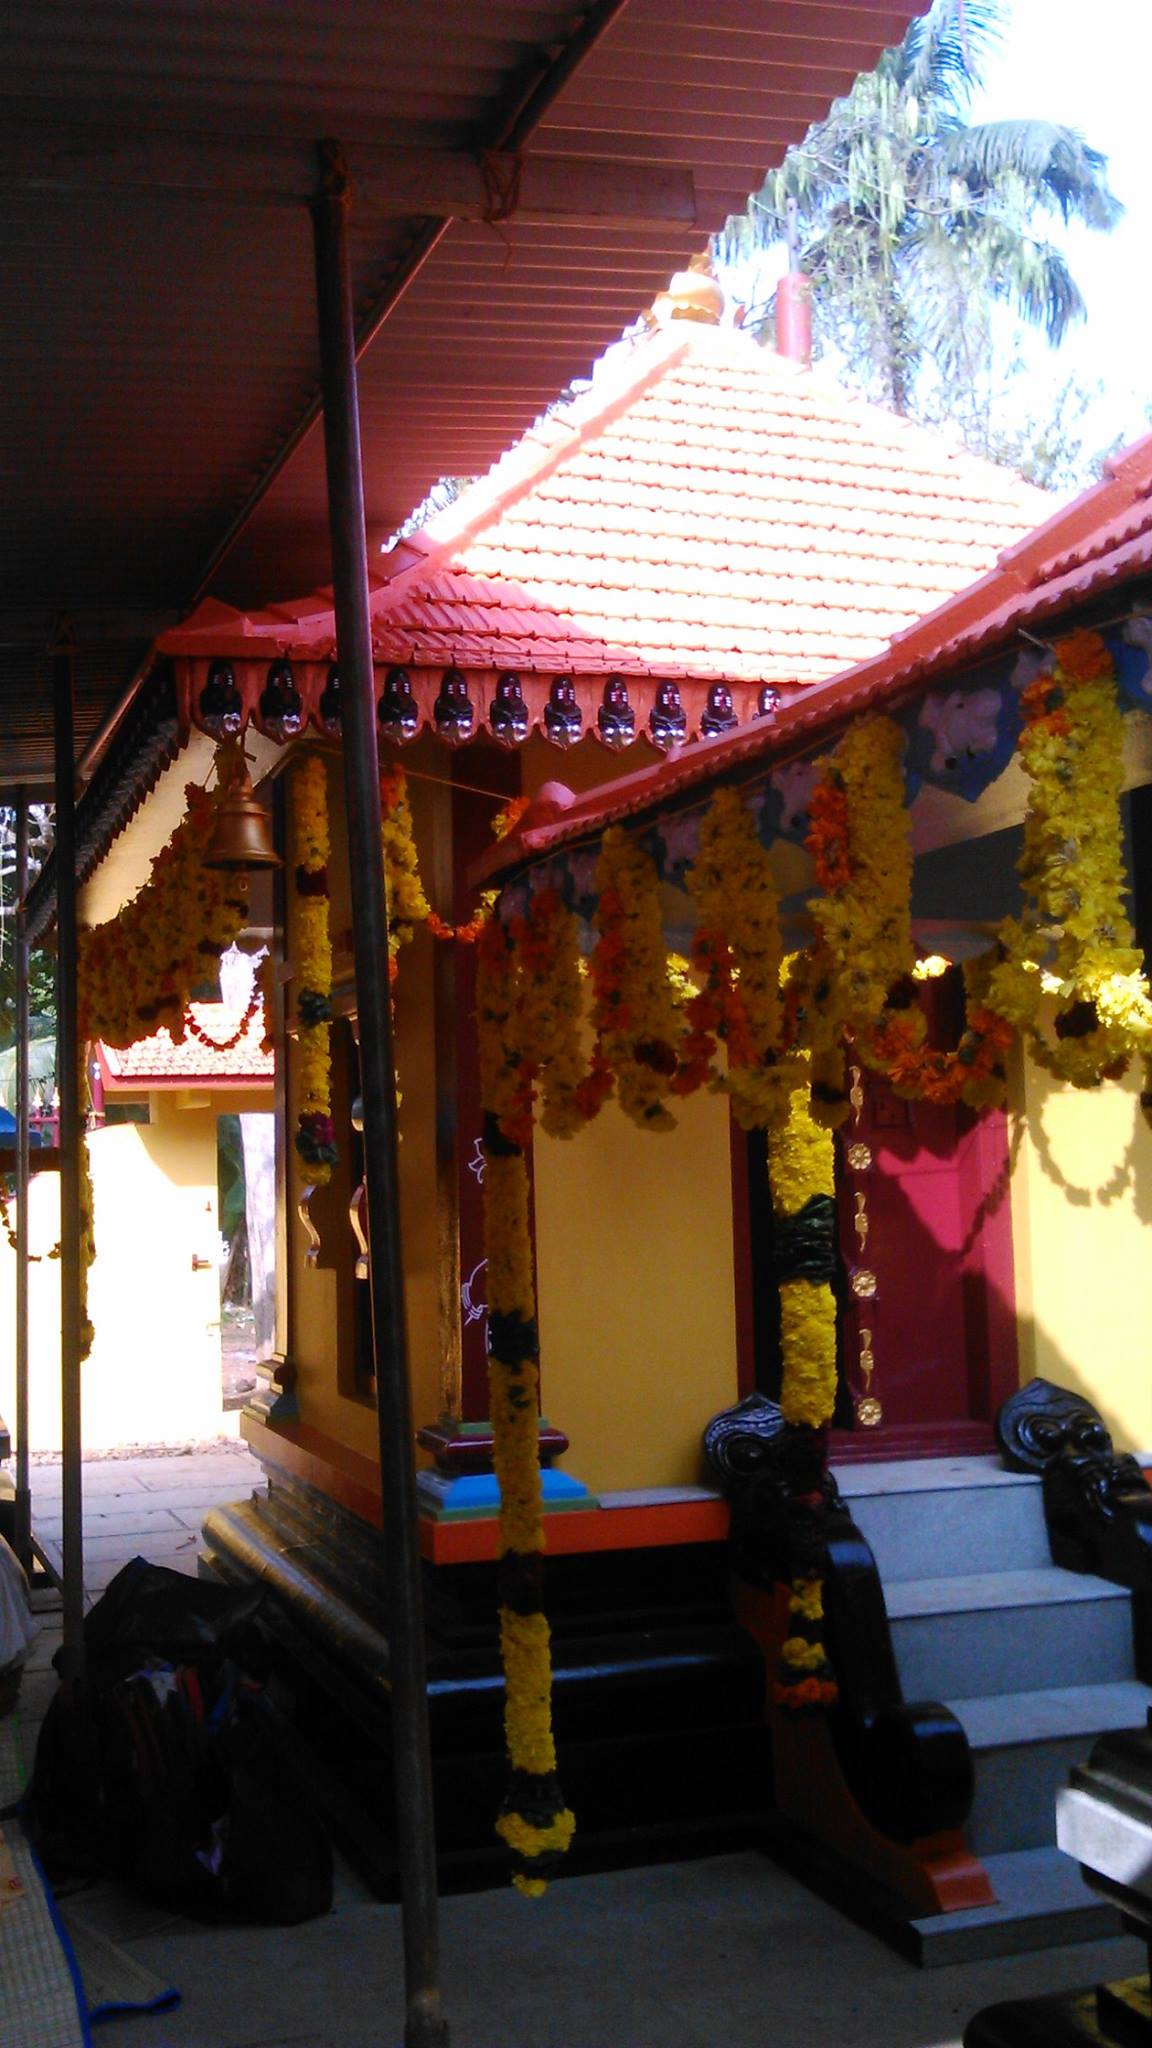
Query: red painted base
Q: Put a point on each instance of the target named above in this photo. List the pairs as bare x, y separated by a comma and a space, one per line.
936, 1875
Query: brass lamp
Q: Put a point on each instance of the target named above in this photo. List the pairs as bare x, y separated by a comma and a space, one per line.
242, 834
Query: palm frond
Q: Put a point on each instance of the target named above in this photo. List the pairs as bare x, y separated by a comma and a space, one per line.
944, 52
1056, 166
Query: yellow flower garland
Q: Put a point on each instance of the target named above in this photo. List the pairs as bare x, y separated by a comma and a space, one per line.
311, 846
801, 1167
863, 954
407, 904
87, 1202
550, 1005
137, 971
633, 1008
1073, 935
801, 1172
732, 886
534, 1820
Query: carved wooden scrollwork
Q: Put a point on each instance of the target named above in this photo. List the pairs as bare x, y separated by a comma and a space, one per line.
1097, 1503
907, 1763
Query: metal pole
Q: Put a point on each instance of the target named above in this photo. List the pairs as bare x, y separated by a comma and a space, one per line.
425, 2026
69, 1140
23, 1504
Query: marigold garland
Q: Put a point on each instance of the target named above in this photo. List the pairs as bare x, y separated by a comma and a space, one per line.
315, 1134
266, 985
1074, 934
633, 1008
534, 1820
801, 1172
737, 950
87, 1201
407, 904
861, 964
137, 971
974, 1073
229, 1044
549, 1012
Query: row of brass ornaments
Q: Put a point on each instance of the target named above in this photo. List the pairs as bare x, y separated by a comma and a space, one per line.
862, 1280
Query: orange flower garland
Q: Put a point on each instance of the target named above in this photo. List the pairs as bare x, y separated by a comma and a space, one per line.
859, 969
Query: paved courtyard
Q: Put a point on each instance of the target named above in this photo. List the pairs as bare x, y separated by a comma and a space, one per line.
708, 1954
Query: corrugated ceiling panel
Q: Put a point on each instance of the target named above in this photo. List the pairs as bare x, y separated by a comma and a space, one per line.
157, 352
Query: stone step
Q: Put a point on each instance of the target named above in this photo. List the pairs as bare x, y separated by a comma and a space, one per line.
1024, 1744
1041, 1902
943, 1517
966, 1636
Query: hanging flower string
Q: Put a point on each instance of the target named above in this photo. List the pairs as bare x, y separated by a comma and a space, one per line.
534, 1820
858, 972
549, 1010
801, 1174
6, 1225
315, 1134
633, 1010
87, 1202
737, 953
137, 971
196, 1030
1073, 937
407, 904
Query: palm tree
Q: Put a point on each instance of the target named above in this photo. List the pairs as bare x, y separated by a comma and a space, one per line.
913, 225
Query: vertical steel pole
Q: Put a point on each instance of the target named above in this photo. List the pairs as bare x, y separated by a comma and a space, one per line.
425, 2026
23, 1503
69, 1140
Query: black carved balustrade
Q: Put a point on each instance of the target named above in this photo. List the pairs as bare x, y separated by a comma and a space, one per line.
1097, 1502
907, 1763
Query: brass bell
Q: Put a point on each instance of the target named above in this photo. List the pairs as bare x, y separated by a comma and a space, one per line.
242, 835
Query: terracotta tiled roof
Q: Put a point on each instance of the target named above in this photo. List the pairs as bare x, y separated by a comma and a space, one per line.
706, 512
1092, 551
157, 1063
737, 517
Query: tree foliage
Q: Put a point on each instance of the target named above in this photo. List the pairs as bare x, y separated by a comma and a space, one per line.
41, 975
914, 226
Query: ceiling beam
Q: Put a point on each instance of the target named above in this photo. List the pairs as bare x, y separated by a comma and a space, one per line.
387, 183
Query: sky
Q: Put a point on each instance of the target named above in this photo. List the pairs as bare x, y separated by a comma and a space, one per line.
1090, 66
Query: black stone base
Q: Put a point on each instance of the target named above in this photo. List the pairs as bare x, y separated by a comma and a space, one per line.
1111, 2016
658, 1694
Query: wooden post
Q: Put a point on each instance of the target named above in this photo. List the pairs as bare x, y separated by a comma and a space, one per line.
425, 2026
70, 1138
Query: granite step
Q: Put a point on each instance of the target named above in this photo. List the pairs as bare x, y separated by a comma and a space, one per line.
967, 1636
946, 1517
1024, 1744
1034, 1661
1041, 1902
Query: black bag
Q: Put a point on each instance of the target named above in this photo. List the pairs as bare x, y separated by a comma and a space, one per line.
165, 1766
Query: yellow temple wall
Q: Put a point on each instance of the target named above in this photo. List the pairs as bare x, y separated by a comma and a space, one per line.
154, 1371
636, 1292
1081, 1208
